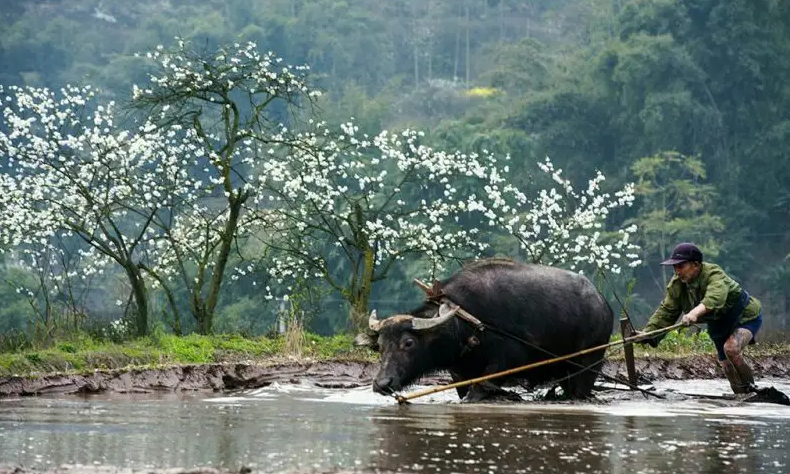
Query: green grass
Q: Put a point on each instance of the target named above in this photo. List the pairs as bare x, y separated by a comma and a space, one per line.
84, 354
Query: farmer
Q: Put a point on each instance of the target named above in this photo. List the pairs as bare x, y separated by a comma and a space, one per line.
703, 293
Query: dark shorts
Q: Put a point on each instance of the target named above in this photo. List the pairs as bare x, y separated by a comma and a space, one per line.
753, 326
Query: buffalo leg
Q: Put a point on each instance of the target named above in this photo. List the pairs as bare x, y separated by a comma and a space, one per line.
484, 391
490, 391
462, 391
580, 386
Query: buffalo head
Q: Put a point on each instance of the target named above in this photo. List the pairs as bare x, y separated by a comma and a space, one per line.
410, 345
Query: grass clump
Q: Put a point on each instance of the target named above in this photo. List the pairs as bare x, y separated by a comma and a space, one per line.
338, 346
253, 347
187, 349
682, 343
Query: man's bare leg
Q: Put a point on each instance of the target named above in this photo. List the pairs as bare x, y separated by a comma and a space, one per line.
735, 367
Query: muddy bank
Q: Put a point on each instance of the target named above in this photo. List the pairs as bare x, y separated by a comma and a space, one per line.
326, 374
213, 377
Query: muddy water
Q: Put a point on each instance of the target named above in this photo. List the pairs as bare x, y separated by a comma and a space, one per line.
300, 427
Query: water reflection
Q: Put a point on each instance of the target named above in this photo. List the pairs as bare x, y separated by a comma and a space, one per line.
448, 439
494, 439
159, 432
290, 428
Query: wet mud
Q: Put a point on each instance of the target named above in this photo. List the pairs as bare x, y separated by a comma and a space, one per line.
325, 374
213, 377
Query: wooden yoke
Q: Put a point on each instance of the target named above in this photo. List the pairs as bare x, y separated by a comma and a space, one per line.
435, 293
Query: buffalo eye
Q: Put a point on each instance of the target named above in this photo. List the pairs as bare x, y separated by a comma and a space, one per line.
406, 343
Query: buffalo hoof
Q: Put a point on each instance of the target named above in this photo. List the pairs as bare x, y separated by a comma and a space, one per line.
490, 394
552, 395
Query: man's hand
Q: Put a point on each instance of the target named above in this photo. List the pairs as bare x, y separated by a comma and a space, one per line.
689, 318
692, 317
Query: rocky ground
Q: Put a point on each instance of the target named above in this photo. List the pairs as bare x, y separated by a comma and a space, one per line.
327, 374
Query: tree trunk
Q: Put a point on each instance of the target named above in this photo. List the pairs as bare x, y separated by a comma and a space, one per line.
359, 313
176, 325
206, 315
140, 293
205, 322
360, 299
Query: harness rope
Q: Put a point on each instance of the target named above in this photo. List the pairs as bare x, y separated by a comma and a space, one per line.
577, 364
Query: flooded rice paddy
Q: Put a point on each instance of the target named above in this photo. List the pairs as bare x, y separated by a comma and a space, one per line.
301, 427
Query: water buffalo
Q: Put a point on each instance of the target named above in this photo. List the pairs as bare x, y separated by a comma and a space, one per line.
557, 310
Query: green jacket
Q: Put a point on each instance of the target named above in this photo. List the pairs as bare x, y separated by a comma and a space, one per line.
712, 287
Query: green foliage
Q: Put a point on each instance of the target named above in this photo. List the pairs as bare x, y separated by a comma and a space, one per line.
14, 341
67, 347
675, 344
88, 355
85, 354
675, 206
685, 342
515, 67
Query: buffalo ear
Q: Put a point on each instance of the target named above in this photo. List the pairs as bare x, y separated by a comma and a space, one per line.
366, 340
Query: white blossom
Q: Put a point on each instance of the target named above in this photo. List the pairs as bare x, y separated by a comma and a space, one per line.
560, 227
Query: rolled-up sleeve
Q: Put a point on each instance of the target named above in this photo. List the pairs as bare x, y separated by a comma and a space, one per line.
716, 293
666, 313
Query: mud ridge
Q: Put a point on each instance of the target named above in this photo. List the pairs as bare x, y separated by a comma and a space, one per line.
326, 374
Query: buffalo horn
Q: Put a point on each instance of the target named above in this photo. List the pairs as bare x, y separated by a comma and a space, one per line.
373, 322
445, 314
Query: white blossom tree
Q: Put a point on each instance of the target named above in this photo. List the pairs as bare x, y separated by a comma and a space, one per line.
371, 201
69, 172
225, 99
